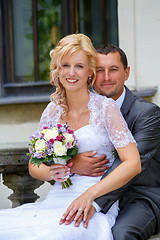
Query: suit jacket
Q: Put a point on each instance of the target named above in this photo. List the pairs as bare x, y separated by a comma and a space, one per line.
143, 119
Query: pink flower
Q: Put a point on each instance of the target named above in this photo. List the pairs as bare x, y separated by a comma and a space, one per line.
63, 137
45, 127
51, 140
58, 138
70, 131
76, 142
59, 125
69, 145
74, 137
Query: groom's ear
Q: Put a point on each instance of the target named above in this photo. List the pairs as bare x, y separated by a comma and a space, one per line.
127, 72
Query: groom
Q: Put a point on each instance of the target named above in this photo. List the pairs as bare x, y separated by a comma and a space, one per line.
139, 216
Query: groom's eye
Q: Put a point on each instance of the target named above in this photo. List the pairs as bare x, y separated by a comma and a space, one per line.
100, 70
79, 66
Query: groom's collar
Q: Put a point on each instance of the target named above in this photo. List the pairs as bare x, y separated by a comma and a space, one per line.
120, 100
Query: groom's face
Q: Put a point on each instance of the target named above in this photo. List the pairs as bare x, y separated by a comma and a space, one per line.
111, 75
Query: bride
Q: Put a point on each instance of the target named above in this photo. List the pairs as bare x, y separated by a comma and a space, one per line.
98, 126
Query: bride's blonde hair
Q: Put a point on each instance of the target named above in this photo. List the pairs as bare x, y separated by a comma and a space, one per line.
67, 46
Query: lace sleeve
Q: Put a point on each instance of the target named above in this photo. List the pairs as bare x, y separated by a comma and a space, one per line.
50, 116
116, 126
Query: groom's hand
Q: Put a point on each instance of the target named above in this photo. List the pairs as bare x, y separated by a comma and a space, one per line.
88, 165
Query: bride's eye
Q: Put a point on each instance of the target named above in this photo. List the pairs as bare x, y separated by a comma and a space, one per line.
65, 65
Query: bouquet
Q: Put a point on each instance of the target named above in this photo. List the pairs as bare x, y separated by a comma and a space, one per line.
53, 145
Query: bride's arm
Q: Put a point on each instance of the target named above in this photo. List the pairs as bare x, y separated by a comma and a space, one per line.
129, 168
55, 172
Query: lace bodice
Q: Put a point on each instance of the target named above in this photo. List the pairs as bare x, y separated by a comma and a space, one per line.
106, 129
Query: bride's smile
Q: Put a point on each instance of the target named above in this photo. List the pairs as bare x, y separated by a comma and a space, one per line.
72, 80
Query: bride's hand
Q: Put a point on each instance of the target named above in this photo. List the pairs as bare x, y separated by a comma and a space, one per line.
80, 219
80, 206
58, 172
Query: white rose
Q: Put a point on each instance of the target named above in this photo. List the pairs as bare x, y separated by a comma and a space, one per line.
59, 149
40, 145
68, 137
50, 133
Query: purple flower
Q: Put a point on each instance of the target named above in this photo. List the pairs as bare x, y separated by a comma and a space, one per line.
36, 135
49, 144
37, 155
30, 149
62, 129
49, 151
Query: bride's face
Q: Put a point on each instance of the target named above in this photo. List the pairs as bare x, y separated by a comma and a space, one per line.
74, 71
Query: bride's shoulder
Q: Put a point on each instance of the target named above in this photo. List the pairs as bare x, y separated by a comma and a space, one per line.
52, 109
100, 99
51, 105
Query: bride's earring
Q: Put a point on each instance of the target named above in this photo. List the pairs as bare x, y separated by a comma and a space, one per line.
56, 80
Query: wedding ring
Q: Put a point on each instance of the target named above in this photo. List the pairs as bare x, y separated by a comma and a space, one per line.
80, 209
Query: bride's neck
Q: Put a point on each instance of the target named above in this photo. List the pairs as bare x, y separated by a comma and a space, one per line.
77, 102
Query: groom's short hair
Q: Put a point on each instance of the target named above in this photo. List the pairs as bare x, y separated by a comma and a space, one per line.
111, 48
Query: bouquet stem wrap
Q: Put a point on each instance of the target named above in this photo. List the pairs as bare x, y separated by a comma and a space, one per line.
68, 182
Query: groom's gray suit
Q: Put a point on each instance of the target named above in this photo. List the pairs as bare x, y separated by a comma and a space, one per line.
140, 198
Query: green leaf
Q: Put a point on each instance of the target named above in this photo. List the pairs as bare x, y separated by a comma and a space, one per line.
29, 154
65, 157
37, 161
72, 151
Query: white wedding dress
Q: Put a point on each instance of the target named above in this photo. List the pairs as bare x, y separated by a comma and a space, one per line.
40, 221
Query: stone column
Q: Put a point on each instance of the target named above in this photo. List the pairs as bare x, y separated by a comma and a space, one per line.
23, 186
14, 167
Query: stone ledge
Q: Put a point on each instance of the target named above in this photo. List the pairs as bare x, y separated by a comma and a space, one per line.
17, 146
145, 92
142, 92
13, 156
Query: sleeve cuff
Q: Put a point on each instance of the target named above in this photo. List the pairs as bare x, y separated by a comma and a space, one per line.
96, 206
